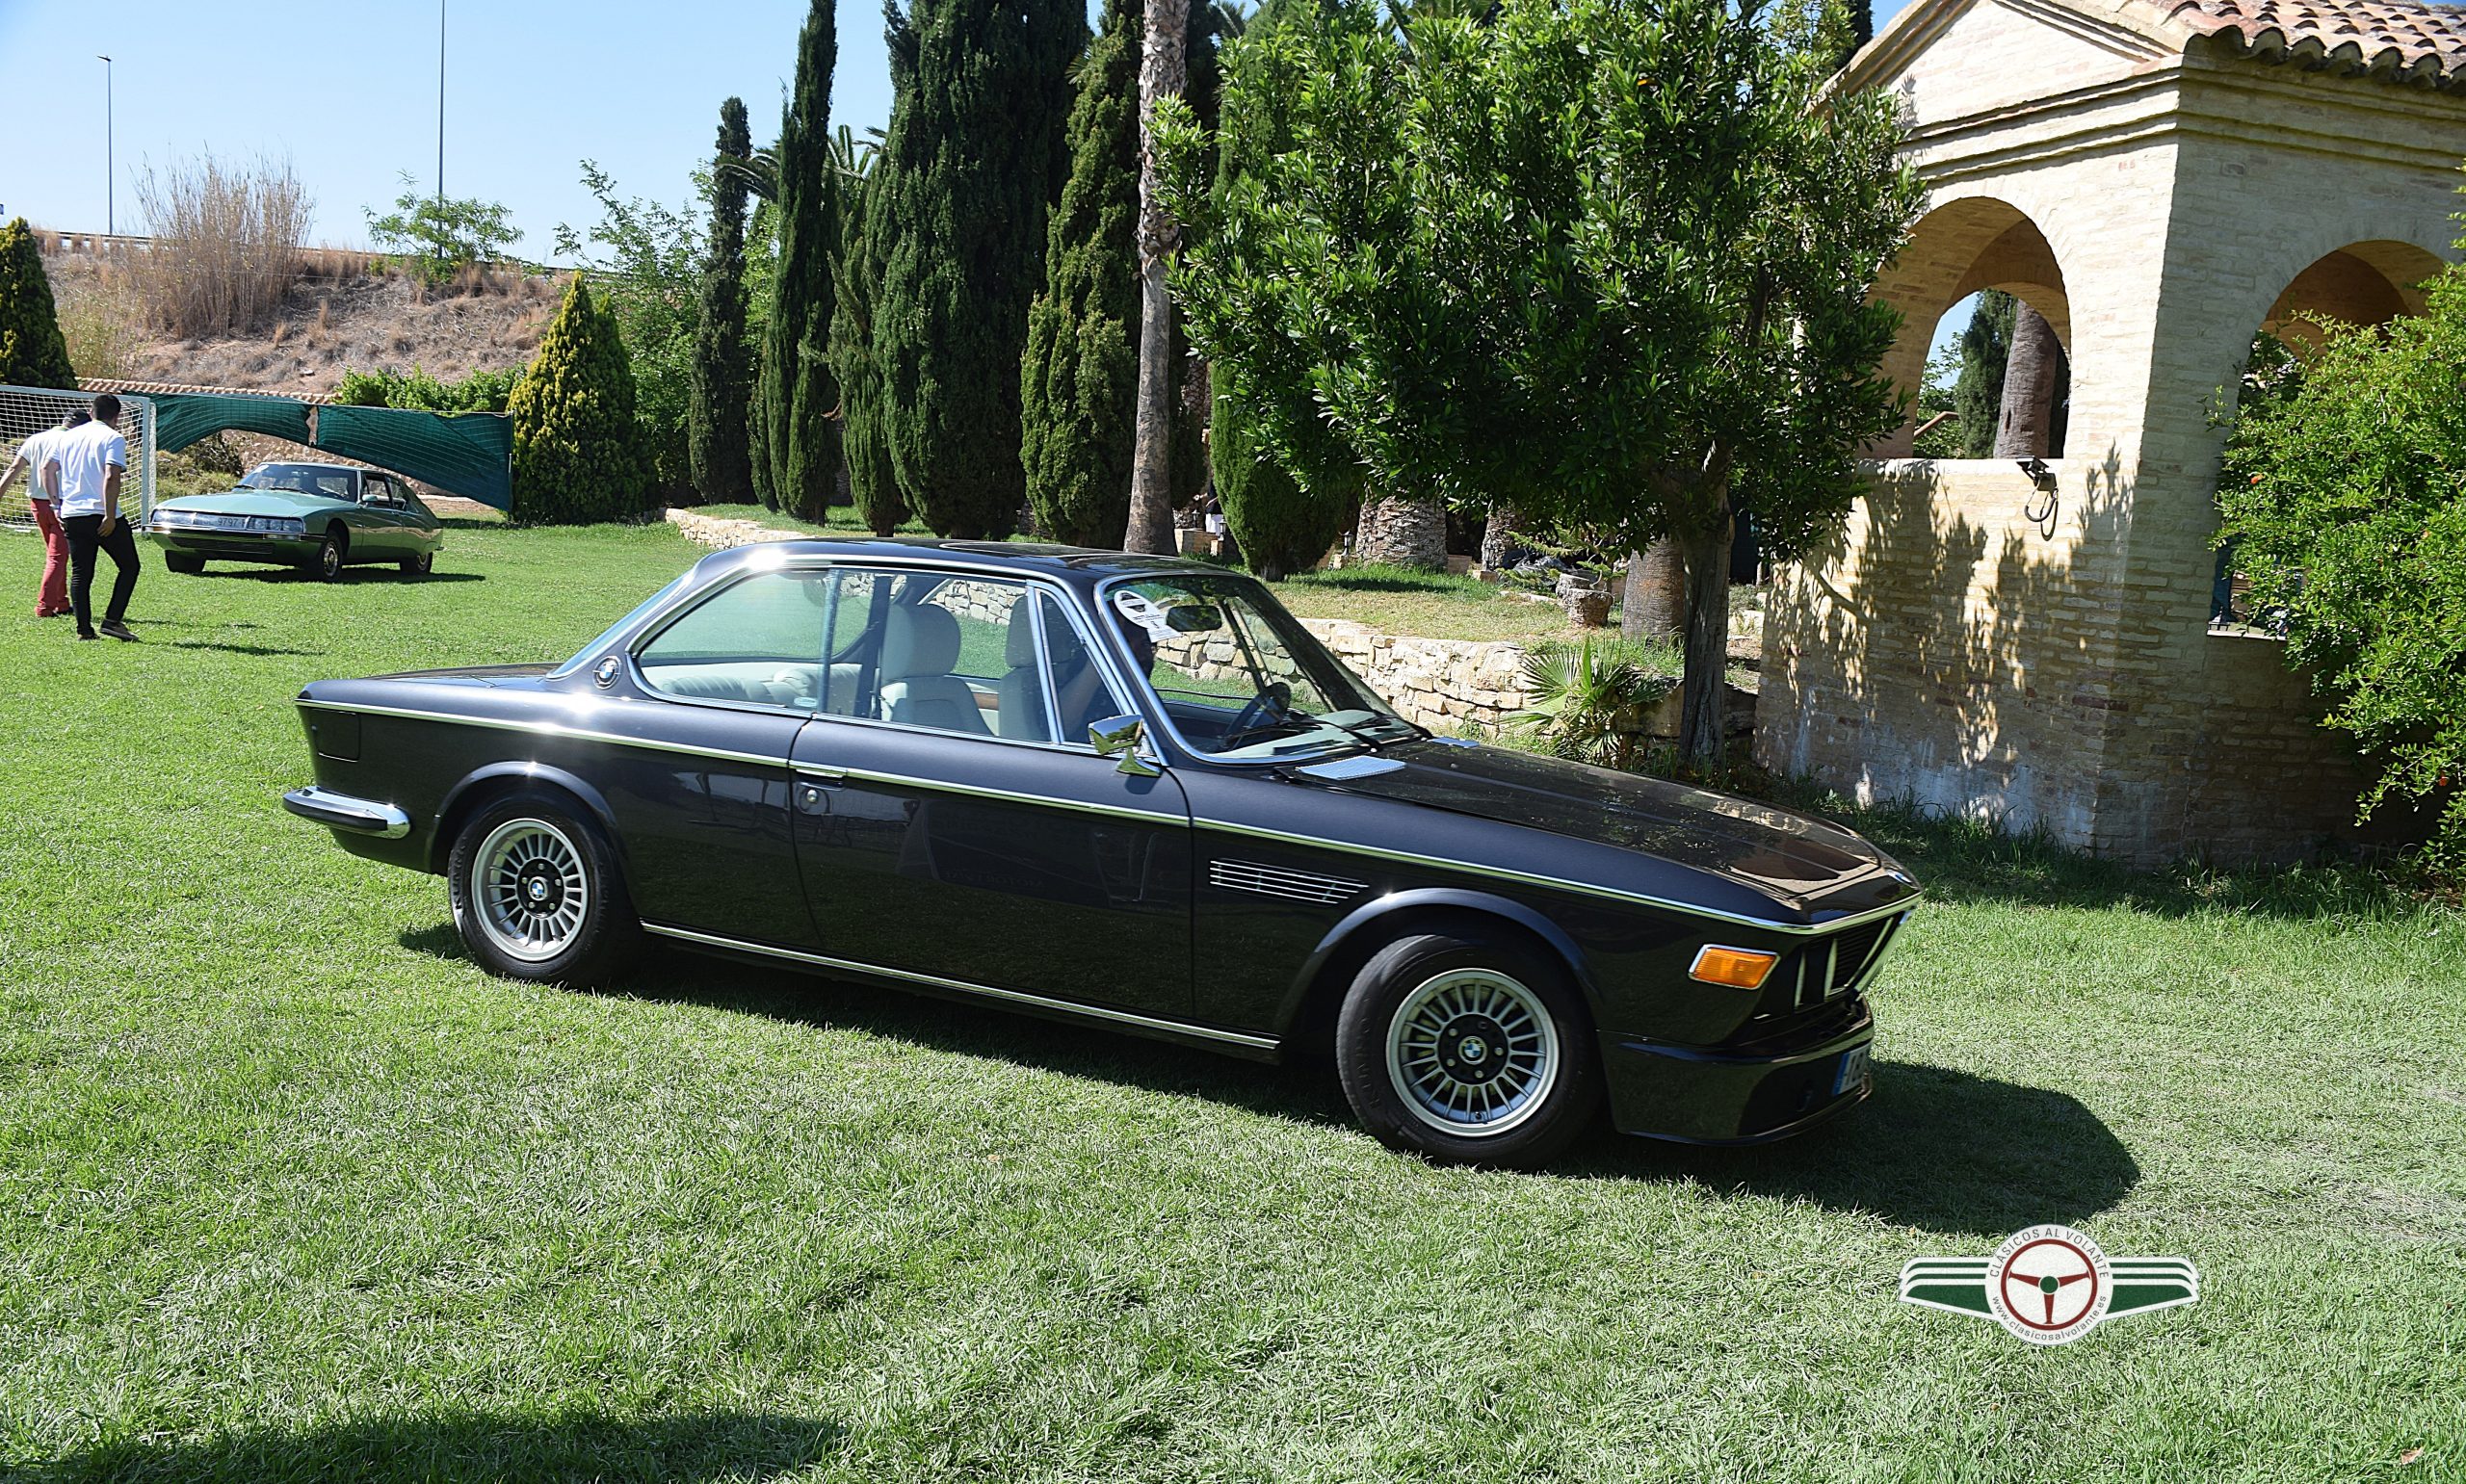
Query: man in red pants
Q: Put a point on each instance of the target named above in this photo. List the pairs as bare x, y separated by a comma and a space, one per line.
52, 602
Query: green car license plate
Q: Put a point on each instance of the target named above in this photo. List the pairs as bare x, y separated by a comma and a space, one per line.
1854, 1070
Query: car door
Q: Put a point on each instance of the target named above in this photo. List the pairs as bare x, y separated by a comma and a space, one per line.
380, 530
716, 696
948, 827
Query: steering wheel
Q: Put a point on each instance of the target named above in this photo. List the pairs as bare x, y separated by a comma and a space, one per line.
1273, 703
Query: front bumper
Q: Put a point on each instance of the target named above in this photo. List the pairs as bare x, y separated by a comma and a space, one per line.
343, 812
232, 545
1739, 1094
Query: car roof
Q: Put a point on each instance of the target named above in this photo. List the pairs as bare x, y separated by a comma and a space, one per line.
1077, 567
311, 463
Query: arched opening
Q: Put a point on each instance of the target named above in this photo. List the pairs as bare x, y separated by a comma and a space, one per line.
2364, 283
1956, 252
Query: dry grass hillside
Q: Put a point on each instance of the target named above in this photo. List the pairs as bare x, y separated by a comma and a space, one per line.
326, 325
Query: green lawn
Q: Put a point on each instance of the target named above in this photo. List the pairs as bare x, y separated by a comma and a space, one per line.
289, 1191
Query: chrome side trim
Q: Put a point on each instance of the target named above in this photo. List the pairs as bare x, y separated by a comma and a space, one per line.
826, 773
553, 729
1248, 831
1558, 883
962, 986
342, 811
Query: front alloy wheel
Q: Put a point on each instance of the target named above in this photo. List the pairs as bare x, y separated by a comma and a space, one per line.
1468, 1050
537, 893
327, 563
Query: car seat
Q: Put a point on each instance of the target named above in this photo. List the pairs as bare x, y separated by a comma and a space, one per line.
1020, 715
919, 647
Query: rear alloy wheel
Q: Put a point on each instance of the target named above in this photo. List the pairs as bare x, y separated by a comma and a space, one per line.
328, 564
537, 893
420, 565
183, 563
1468, 1051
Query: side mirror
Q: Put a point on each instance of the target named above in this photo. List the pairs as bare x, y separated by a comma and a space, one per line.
1119, 736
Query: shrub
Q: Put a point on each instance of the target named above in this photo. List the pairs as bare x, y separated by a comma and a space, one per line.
650, 285
2344, 494
578, 454
1279, 525
415, 390
32, 351
226, 246
1593, 696
440, 236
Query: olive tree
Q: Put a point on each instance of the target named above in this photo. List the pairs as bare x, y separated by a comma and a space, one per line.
1609, 263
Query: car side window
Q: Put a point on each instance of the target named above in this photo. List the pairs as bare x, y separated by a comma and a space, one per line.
957, 654
1082, 692
757, 642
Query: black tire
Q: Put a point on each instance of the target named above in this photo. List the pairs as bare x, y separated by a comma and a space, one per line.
1537, 1113
183, 563
420, 565
331, 553
604, 934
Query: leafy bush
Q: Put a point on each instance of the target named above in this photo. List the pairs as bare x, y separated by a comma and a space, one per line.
1279, 525
1594, 697
578, 454
651, 284
440, 237
32, 351
2345, 496
415, 390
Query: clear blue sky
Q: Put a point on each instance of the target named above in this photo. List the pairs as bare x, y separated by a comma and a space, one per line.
346, 91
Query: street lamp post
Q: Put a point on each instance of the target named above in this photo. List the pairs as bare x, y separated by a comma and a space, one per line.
111, 171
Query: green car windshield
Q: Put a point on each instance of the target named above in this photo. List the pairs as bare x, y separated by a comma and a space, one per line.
301, 479
1239, 678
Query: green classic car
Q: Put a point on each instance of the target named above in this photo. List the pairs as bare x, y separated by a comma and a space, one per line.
318, 517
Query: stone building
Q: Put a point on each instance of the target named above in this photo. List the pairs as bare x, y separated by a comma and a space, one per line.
2160, 180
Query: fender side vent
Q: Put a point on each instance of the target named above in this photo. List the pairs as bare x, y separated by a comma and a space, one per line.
1276, 881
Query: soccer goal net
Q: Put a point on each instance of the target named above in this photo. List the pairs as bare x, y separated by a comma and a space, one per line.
30, 409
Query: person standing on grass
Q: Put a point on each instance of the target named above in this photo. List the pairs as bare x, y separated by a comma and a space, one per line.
52, 601
88, 463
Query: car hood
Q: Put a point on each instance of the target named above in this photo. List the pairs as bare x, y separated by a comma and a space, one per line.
255, 502
1789, 857
525, 676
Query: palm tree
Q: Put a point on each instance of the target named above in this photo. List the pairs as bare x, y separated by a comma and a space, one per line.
1163, 69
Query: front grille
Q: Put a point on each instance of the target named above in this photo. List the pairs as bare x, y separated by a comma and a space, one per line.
1836, 964
1276, 881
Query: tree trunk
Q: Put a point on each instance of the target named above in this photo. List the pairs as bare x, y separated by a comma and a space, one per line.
1402, 532
1655, 603
1499, 534
1704, 690
2023, 425
1162, 69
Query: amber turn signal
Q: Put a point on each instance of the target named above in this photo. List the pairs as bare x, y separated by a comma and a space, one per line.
1737, 968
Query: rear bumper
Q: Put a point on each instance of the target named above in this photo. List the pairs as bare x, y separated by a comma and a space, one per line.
342, 812
1716, 1095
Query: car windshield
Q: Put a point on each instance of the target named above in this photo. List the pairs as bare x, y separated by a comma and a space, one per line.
300, 479
1239, 678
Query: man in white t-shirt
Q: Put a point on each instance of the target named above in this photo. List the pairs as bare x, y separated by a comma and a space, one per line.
87, 462
52, 601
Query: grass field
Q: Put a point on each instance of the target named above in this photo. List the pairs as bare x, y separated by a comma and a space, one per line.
290, 1190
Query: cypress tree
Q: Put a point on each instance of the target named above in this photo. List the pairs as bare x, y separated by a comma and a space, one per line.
974, 153
1977, 397
863, 439
32, 351
579, 455
1078, 386
801, 397
719, 417
1280, 527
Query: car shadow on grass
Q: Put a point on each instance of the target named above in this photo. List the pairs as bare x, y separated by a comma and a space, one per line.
350, 577
468, 1445
1934, 1148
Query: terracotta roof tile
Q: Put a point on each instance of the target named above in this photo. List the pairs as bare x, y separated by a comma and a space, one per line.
2409, 40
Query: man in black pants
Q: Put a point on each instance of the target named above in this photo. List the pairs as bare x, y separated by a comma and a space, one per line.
88, 463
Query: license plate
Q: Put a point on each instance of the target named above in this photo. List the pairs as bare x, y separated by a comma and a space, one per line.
1853, 1071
